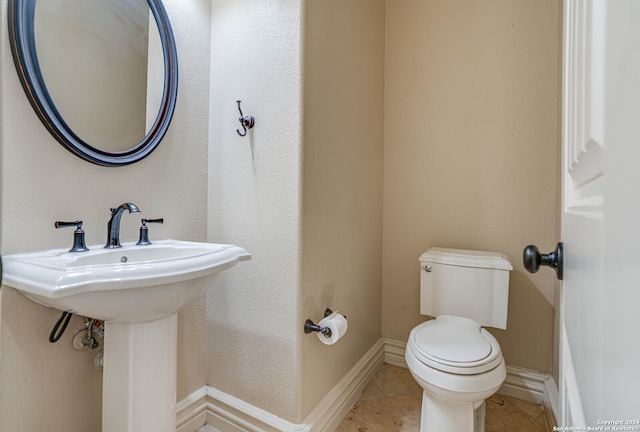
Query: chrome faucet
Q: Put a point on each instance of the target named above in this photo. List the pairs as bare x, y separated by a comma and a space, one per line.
113, 227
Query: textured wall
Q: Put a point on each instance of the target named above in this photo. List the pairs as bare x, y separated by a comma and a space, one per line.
42, 182
471, 118
342, 184
255, 201
326, 222
470, 123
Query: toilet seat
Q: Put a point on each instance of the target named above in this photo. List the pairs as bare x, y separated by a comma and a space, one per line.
455, 345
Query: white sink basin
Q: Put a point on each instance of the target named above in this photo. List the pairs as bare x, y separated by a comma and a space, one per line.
137, 291
128, 284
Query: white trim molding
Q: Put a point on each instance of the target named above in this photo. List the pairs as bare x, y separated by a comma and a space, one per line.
230, 414
534, 387
191, 412
394, 352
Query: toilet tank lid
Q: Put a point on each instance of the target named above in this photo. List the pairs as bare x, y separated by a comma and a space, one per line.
466, 258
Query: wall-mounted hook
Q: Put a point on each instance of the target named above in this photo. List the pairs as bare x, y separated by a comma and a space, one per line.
247, 122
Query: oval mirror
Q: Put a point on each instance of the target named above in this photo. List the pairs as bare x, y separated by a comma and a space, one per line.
101, 75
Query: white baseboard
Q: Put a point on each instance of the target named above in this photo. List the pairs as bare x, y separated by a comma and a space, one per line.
328, 414
534, 387
230, 414
551, 402
191, 412
394, 352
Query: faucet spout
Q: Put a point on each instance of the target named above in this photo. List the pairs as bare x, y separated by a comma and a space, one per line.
113, 227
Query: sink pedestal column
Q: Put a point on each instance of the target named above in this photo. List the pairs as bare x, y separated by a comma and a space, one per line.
139, 381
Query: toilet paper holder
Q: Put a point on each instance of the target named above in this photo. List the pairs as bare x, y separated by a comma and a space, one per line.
310, 327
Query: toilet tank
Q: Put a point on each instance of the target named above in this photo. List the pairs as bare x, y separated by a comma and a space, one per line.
465, 283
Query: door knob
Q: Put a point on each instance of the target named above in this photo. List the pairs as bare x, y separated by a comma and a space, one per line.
533, 259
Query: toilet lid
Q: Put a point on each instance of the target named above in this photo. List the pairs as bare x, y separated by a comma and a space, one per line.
455, 344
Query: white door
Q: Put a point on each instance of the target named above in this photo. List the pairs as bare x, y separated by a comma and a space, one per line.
600, 298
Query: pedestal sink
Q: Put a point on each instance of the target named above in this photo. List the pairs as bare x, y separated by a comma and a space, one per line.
137, 291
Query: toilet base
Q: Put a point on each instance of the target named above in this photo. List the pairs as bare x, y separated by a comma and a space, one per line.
440, 415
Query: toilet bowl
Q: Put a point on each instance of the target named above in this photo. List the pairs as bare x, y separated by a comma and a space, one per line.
456, 379
458, 363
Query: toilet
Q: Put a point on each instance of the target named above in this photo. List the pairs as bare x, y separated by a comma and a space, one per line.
458, 363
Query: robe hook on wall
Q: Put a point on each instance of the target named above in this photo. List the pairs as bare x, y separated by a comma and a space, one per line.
247, 122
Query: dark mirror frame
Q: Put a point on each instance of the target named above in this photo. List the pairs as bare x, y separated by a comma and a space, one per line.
22, 39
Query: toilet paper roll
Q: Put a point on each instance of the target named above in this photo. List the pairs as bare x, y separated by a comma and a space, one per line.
338, 325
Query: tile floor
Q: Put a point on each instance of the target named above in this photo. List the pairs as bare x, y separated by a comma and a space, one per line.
391, 403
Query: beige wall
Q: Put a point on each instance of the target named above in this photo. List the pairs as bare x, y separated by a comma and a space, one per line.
342, 184
42, 182
254, 202
471, 118
308, 207
467, 123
